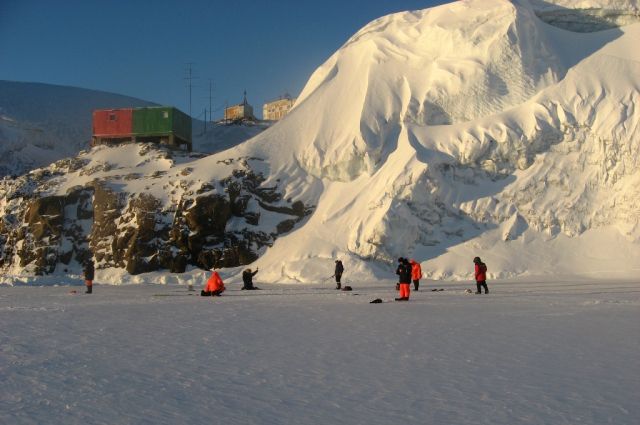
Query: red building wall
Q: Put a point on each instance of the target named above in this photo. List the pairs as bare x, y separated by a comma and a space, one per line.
112, 122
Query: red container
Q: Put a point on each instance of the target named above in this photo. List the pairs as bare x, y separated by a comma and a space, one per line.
113, 122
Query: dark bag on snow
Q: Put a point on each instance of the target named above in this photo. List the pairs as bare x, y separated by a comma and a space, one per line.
347, 288
376, 301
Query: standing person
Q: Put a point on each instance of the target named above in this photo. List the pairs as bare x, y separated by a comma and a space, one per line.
481, 275
338, 273
398, 271
247, 279
416, 273
404, 274
89, 274
214, 286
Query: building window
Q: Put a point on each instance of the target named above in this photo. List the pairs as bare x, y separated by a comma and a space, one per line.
112, 117
165, 114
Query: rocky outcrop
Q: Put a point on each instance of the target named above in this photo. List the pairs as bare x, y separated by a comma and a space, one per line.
218, 224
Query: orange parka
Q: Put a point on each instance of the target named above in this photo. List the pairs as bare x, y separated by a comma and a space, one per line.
214, 283
416, 270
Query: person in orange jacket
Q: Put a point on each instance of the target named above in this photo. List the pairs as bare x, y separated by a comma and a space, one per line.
416, 273
214, 286
404, 277
481, 275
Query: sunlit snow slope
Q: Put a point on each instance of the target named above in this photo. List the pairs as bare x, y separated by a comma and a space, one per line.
473, 128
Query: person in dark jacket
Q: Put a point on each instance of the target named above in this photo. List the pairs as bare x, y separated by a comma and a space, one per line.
89, 274
398, 271
404, 277
481, 275
338, 273
247, 279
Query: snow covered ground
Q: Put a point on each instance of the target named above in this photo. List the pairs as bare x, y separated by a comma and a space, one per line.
531, 352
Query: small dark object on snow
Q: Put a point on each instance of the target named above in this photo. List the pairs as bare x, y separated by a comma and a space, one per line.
376, 301
347, 288
210, 293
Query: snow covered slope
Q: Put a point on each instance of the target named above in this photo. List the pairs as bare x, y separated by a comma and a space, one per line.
42, 123
587, 15
472, 128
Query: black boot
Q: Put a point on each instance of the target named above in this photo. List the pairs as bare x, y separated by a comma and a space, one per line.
89, 290
338, 285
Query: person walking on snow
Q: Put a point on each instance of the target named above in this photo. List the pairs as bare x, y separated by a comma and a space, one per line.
404, 276
89, 273
214, 286
481, 275
416, 274
338, 273
247, 279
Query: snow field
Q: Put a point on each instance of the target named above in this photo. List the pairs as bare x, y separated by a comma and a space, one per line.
530, 352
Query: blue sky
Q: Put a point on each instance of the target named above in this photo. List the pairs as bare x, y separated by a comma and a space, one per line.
141, 48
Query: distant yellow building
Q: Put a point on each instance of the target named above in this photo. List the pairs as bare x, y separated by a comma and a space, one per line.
240, 111
278, 108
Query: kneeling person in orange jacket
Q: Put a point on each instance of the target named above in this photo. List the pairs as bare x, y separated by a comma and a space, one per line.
214, 286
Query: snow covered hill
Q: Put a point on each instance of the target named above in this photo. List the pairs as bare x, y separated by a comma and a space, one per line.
473, 128
42, 123
504, 129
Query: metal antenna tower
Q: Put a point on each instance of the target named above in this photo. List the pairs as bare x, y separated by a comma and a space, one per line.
189, 78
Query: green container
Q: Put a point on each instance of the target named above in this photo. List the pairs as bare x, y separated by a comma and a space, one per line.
160, 121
